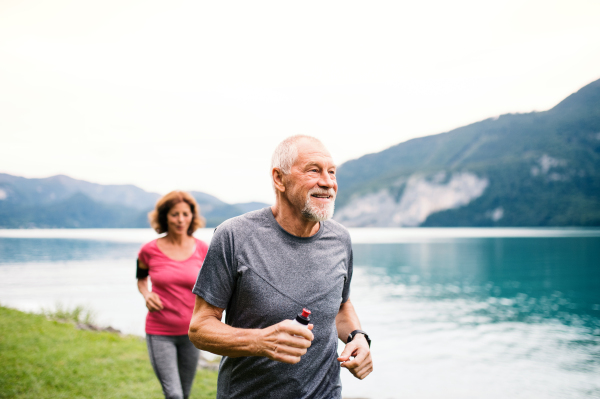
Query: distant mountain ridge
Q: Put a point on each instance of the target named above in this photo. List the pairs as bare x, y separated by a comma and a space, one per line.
534, 169
63, 202
60, 187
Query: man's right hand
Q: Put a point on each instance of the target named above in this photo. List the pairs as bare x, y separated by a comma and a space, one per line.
285, 342
153, 302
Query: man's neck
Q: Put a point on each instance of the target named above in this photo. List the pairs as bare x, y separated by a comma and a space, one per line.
293, 222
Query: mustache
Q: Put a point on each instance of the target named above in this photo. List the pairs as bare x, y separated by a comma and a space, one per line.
320, 191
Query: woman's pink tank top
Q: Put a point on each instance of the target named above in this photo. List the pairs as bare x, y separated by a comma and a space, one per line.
172, 281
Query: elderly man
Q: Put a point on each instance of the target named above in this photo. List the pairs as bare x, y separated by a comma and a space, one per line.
263, 268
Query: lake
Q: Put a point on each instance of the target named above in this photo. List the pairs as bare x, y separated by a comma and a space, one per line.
453, 313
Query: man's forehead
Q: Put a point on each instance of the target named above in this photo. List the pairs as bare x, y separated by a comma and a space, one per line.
312, 151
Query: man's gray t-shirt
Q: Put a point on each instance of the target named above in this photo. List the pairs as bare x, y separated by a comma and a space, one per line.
262, 275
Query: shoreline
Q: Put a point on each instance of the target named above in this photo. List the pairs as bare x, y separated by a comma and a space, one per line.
69, 362
204, 363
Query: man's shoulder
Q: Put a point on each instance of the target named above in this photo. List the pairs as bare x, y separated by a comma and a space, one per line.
337, 229
243, 222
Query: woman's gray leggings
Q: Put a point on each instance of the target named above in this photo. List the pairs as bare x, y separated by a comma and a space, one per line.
174, 359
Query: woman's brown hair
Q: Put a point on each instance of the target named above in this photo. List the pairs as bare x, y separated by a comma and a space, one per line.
158, 217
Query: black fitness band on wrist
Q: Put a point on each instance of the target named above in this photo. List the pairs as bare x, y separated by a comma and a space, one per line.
353, 333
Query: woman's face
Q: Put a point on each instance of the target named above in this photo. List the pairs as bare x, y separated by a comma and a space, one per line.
179, 218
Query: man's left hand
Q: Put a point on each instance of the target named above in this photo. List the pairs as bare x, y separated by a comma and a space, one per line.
362, 364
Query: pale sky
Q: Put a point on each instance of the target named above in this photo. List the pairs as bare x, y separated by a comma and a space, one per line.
196, 95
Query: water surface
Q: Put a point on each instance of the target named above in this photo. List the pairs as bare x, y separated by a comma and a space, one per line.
453, 313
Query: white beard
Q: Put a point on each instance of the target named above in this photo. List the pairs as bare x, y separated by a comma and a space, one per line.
318, 213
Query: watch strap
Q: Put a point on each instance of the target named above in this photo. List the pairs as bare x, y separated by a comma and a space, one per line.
353, 333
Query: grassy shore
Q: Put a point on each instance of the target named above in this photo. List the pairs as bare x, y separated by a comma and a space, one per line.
40, 358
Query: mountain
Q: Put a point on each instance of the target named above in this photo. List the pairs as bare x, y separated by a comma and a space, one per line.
60, 187
64, 202
533, 169
216, 211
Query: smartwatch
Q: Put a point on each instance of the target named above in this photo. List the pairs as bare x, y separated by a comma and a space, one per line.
353, 333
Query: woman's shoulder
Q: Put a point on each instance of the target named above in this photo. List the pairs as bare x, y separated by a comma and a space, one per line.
149, 248
201, 246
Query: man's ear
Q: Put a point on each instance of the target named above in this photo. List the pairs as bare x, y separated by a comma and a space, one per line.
278, 182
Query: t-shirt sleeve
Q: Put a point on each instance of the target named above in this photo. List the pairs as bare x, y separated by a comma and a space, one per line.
346, 290
217, 278
144, 254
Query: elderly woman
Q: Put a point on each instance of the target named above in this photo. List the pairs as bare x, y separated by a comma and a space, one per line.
172, 262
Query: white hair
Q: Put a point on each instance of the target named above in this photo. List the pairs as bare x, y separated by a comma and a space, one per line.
318, 213
286, 154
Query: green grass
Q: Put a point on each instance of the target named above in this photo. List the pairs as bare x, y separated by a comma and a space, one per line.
78, 314
40, 358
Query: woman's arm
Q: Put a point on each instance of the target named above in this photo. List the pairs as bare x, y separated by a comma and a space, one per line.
153, 302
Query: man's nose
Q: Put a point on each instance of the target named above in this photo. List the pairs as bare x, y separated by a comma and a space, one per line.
326, 180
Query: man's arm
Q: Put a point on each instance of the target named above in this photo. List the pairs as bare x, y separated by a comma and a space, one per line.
347, 321
278, 342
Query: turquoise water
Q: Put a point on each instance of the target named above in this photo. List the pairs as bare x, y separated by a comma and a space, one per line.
453, 313
529, 280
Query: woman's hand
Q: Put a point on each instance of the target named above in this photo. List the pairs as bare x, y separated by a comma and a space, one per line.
153, 302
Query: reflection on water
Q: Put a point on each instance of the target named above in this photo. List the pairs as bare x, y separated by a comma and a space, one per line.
524, 280
19, 250
481, 317
40, 273
454, 316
